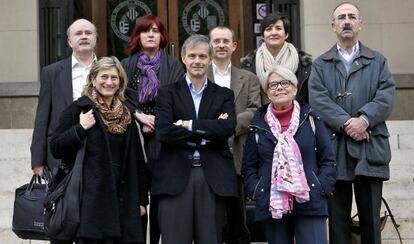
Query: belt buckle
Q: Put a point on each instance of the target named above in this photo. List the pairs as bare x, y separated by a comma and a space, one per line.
196, 162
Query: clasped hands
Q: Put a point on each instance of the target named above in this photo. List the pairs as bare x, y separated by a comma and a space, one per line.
356, 128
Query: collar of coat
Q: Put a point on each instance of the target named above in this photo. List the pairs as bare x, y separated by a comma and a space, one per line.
259, 122
332, 54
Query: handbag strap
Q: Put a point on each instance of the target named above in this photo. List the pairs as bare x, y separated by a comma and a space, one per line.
36, 179
394, 223
78, 165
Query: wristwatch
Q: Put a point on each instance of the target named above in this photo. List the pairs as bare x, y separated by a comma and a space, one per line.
179, 122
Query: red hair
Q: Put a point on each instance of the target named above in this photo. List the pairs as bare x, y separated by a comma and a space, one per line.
143, 24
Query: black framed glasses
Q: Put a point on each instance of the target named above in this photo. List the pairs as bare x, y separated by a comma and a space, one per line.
273, 85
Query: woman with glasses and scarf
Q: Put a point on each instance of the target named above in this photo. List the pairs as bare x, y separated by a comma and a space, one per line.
114, 192
288, 165
149, 67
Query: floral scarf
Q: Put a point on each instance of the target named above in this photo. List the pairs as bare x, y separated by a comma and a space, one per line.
148, 80
288, 180
116, 118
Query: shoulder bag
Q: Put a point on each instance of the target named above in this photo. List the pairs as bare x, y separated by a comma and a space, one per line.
62, 205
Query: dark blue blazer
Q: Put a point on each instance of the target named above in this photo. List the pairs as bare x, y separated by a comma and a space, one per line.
318, 162
172, 169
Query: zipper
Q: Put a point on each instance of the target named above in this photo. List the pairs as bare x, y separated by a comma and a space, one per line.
313, 172
255, 188
320, 185
260, 128
304, 119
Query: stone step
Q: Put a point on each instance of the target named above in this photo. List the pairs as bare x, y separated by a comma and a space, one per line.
15, 143
406, 229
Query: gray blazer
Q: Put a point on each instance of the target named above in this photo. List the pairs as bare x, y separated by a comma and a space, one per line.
368, 89
54, 96
246, 88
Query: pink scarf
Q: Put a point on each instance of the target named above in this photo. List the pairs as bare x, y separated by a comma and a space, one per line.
288, 180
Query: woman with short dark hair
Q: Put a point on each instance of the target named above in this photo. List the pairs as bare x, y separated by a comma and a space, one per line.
276, 50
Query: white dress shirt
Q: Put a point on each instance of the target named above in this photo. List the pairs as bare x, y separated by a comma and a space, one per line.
79, 75
222, 78
348, 56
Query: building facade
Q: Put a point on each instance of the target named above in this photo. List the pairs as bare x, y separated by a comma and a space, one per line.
388, 28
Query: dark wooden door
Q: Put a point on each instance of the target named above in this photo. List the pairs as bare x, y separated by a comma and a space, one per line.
115, 20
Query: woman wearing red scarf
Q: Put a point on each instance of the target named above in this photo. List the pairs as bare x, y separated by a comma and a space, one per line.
288, 165
149, 67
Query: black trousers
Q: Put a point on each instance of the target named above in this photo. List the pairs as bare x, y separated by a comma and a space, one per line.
368, 193
152, 149
235, 230
196, 214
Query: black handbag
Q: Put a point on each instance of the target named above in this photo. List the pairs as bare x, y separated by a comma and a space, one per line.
62, 205
28, 221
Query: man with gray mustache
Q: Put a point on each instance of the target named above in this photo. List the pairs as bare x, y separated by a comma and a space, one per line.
351, 87
61, 83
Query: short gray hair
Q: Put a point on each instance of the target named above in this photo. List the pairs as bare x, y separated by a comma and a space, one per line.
195, 40
343, 3
283, 72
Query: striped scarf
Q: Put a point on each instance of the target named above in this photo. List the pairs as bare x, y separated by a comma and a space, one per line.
288, 180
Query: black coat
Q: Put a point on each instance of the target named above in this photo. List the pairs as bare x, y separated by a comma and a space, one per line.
178, 144
171, 70
105, 212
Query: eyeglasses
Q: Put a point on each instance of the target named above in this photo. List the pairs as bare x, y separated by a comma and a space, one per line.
283, 83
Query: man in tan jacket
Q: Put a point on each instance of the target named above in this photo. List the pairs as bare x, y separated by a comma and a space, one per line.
246, 88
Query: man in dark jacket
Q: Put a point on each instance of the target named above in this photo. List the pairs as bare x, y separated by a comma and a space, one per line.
60, 84
352, 89
194, 172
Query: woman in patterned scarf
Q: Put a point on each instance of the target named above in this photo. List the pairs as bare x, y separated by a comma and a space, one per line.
114, 192
149, 67
288, 165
